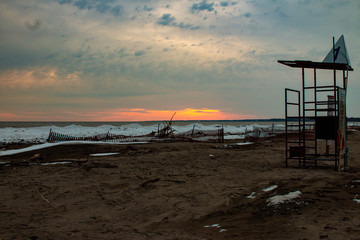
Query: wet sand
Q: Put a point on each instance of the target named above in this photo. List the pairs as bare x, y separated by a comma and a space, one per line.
182, 190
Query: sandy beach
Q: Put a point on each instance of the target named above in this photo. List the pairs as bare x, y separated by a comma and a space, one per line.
178, 190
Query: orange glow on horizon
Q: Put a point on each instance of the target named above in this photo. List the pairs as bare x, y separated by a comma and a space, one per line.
161, 115
134, 114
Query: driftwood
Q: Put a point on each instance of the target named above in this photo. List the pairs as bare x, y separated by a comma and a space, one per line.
167, 130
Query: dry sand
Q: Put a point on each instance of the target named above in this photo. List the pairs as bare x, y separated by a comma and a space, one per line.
176, 191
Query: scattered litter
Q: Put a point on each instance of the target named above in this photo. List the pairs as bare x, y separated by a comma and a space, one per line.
355, 199
252, 195
244, 143
268, 189
55, 163
215, 226
211, 155
103, 154
6, 164
283, 198
356, 181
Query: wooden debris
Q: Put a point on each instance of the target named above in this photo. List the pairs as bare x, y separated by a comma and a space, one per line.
167, 130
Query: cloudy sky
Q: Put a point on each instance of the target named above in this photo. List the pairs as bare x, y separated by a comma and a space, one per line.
129, 60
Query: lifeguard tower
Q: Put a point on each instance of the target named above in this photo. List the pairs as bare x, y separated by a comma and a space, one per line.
315, 117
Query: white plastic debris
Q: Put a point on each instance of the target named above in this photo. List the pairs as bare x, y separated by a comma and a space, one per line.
355, 199
55, 163
252, 195
283, 198
103, 154
216, 225
268, 189
213, 225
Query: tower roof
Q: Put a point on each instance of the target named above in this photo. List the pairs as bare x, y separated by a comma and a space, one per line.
338, 52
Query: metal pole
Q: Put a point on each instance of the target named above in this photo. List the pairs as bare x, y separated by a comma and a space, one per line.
336, 98
315, 113
303, 115
345, 81
299, 134
286, 131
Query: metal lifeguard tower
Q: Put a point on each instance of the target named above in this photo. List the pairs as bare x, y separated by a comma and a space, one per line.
315, 118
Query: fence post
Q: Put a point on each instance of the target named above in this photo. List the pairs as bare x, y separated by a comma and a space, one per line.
222, 133
48, 139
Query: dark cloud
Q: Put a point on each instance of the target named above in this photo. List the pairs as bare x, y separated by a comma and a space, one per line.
202, 6
227, 3
147, 9
122, 52
304, 2
144, 8
101, 6
280, 12
77, 55
83, 5
62, 2
187, 26
166, 19
117, 10
139, 53
224, 4
247, 15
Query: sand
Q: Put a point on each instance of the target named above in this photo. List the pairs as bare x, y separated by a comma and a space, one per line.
182, 190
